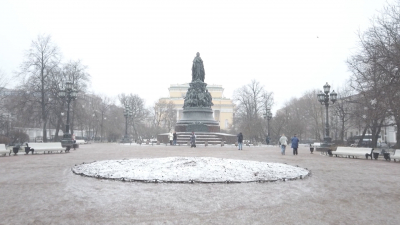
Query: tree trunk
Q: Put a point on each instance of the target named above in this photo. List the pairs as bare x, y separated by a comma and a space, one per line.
44, 132
362, 137
57, 129
397, 145
342, 131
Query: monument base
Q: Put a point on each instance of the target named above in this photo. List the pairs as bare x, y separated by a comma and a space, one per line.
211, 138
197, 119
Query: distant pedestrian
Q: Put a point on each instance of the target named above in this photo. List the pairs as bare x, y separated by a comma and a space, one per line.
267, 140
295, 144
170, 136
240, 141
193, 140
283, 142
175, 137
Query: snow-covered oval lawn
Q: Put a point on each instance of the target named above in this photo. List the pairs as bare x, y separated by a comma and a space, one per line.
189, 169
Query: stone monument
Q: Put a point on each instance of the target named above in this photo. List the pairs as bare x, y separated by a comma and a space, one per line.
197, 112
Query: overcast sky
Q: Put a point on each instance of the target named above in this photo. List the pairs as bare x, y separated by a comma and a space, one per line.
142, 47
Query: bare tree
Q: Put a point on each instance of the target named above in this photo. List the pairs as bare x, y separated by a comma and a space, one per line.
343, 108
164, 115
76, 72
384, 40
313, 113
251, 101
375, 68
101, 106
41, 61
139, 112
5, 115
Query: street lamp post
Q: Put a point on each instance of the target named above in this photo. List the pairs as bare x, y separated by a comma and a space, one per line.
323, 98
268, 116
69, 94
127, 114
101, 129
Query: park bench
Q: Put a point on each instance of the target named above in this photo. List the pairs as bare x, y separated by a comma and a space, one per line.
4, 150
48, 147
316, 144
396, 155
77, 143
353, 151
319, 147
80, 142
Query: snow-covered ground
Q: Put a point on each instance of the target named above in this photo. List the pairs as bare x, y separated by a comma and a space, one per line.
190, 169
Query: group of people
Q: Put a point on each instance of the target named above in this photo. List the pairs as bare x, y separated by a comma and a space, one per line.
283, 142
172, 138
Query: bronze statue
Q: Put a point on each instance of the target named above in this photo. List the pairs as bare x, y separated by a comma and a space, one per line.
197, 95
198, 69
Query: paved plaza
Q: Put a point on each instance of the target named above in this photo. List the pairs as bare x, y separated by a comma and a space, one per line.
41, 189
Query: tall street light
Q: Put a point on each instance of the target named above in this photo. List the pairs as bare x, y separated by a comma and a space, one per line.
69, 94
127, 114
323, 98
268, 116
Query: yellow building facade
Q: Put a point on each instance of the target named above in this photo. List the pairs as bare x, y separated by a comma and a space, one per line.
223, 108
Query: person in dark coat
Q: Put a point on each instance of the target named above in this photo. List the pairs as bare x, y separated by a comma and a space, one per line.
240, 140
295, 144
193, 140
174, 138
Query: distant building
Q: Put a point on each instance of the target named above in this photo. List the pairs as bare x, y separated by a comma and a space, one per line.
223, 108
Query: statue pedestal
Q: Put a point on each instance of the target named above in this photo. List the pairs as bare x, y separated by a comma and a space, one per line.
197, 119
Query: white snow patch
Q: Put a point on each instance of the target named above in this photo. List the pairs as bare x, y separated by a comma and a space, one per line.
189, 169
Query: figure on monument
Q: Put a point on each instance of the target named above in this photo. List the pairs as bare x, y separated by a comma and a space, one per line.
209, 99
198, 68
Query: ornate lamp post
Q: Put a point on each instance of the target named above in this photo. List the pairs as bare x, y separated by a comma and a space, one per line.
268, 116
323, 98
127, 114
69, 94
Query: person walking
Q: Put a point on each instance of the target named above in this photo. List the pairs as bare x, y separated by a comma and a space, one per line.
170, 136
267, 140
283, 142
240, 141
193, 140
175, 137
295, 144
